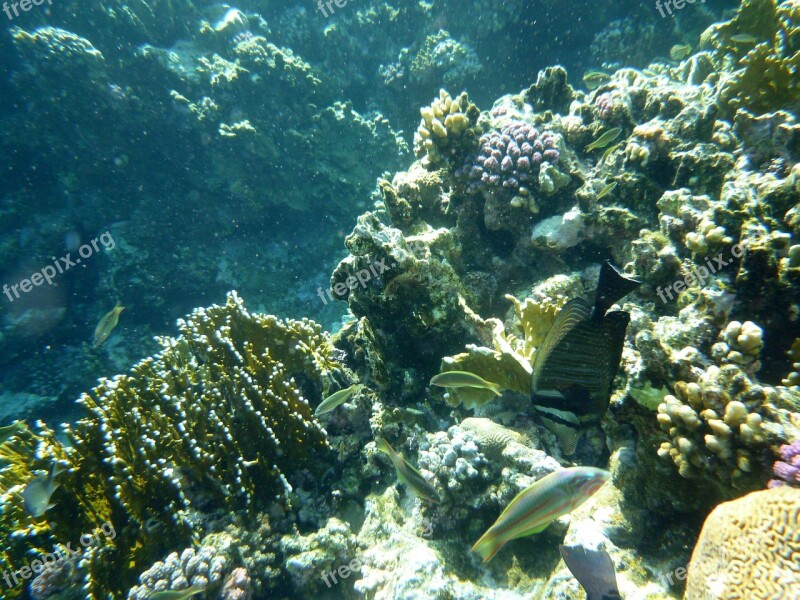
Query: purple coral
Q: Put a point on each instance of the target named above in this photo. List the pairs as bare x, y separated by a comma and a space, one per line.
510, 156
788, 469
604, 105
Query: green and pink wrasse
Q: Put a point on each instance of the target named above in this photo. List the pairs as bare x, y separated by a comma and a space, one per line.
534, 508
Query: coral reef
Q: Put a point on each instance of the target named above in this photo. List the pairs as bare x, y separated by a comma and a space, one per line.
203, 566
748, 548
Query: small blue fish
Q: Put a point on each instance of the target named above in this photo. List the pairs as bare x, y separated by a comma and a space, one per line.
36, 495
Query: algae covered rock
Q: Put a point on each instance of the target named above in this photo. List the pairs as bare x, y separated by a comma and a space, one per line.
749, 548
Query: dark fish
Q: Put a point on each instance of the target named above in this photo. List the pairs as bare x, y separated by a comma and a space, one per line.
575, 366
594, 571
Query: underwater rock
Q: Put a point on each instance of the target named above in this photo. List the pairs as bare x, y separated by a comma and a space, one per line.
748, 548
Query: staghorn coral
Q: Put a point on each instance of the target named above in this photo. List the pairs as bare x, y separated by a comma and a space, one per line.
748, 548
721, 427
448, 130
218, 416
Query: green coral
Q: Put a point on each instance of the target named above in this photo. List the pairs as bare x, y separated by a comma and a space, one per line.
508, 362
220, 415
760, 46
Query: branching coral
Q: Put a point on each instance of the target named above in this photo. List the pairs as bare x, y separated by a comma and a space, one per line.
723, 425
219, 415
448, 130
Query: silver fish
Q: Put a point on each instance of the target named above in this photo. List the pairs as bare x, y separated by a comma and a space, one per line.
178, 594
336, 399
408, 475
38, 492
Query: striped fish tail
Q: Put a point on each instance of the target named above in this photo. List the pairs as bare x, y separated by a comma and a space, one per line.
488, 545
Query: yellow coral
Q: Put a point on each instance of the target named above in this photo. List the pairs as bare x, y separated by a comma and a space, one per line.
749, 548
448, 129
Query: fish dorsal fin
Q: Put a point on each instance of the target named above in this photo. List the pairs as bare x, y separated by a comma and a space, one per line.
612, 286
570, 316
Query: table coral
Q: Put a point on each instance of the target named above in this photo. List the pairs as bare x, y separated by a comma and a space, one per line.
749, 548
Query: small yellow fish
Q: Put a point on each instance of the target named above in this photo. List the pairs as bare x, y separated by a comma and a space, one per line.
178, 594
605, 139
107, 325
459, 379
679, 51
408, 475
336, 399
607, 190
594, 79
609, 152
743, 38
10, 431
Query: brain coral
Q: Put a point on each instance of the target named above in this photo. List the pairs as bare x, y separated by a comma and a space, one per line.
749, 549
